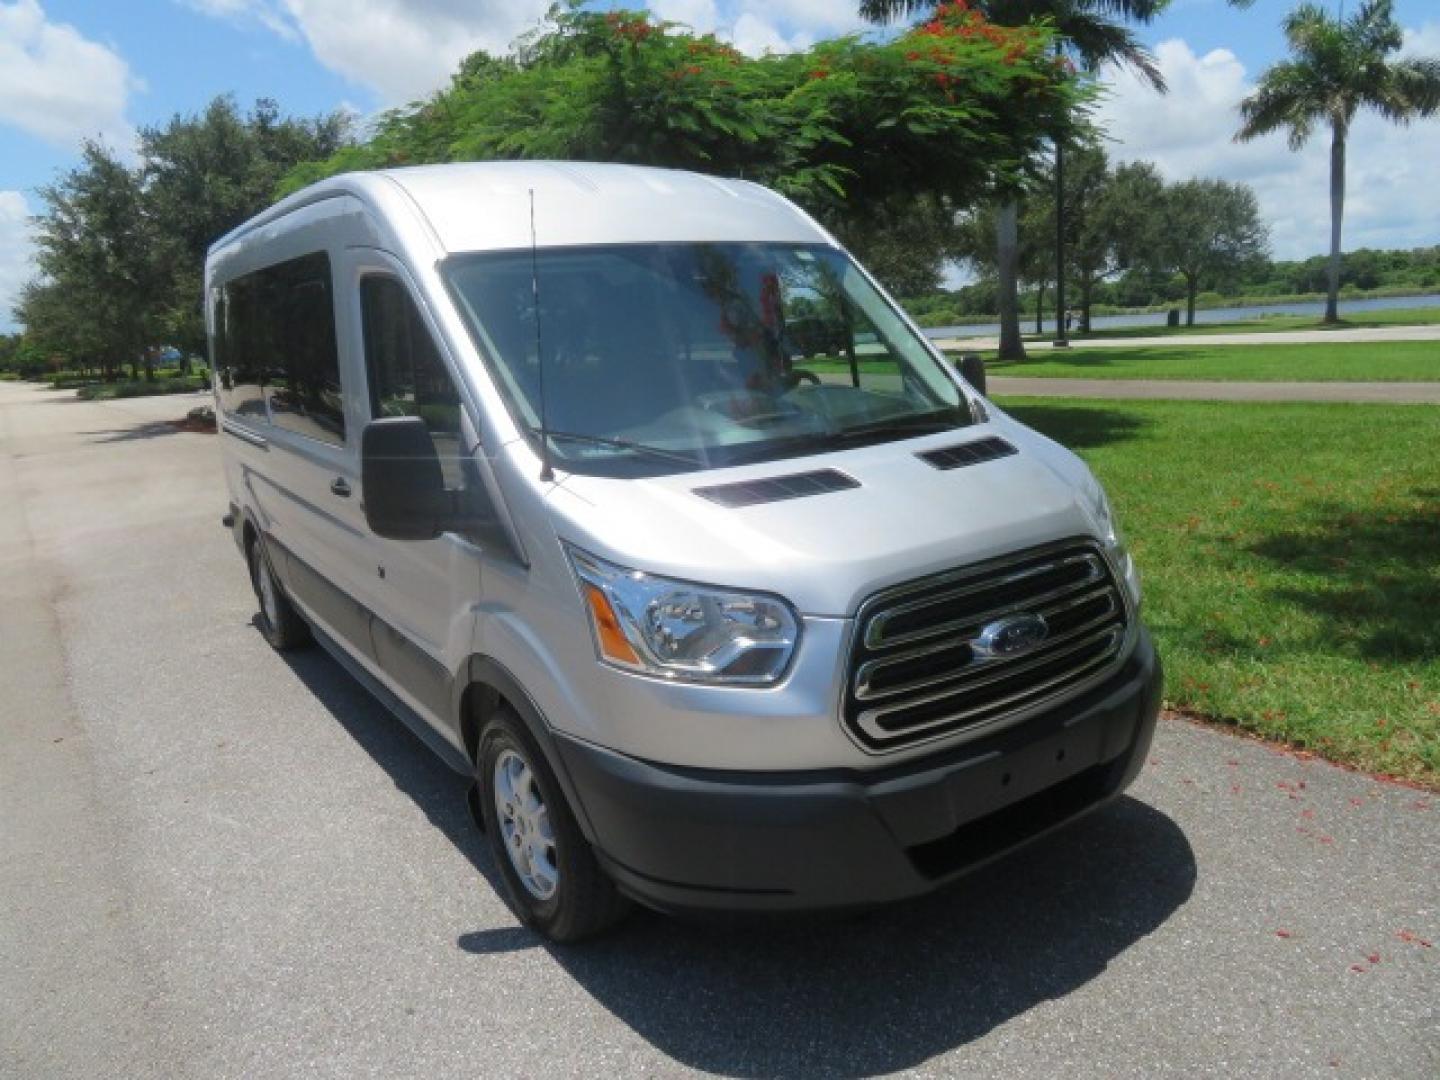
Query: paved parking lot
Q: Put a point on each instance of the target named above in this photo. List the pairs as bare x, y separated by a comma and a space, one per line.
217, 862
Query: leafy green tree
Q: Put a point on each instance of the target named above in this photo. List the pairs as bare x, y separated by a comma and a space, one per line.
205, 174
854, 130
1086, 29
1337, 67
1113, 221
904, 242
93, 246
1212, 235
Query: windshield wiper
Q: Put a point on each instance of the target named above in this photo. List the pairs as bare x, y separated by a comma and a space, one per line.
831, 439
911, 424
622, 444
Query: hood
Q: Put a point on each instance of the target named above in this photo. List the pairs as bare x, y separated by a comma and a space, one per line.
827, 552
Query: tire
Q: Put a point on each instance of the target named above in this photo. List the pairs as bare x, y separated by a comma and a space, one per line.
281, 624
553, 882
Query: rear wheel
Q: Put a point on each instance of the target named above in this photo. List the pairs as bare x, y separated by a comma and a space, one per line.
279, 621
552, 879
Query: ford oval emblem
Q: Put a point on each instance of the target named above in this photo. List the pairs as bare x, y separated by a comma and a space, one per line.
1013, 635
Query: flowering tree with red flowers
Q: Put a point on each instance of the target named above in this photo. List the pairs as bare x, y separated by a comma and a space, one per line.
944, 113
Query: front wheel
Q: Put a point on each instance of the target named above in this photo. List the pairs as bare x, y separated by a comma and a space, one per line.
552, 880
279, 621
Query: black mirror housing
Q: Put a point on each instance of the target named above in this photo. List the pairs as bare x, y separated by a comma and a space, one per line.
404, 489
972, 370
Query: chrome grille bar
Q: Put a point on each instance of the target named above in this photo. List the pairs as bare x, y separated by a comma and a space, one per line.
877, 638
866, 675
946, 686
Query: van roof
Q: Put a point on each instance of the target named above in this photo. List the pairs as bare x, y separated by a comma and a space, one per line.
485, 206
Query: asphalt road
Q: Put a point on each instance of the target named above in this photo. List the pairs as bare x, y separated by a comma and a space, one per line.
218, 862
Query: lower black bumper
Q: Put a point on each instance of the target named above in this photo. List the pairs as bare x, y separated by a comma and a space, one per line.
691, 839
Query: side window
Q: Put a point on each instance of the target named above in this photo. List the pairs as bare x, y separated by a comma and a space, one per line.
237, 352
302, 362
407, 376
275, 340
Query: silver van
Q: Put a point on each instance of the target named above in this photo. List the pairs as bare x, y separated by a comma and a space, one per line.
644, 506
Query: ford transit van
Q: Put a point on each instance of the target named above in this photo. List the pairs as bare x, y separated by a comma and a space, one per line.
644, 506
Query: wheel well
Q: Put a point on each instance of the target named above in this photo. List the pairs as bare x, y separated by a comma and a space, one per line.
476, 704
248, 538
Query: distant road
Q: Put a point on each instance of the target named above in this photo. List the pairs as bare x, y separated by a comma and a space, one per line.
1274, 337
1389, 393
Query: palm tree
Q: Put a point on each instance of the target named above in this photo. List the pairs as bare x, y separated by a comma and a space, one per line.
1089, 31
1338, 67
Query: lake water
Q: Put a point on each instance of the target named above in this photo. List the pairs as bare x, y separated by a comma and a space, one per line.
1214, 315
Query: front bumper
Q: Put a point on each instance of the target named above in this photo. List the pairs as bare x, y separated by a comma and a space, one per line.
692, 839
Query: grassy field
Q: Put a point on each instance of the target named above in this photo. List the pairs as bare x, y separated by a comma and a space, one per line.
1391, 361
1291, 561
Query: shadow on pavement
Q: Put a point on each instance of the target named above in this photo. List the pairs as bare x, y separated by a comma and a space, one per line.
840, 996
152, 429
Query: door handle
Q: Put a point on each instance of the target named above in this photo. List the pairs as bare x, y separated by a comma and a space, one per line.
340, 487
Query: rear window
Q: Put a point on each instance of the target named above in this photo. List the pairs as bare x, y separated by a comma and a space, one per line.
276, 356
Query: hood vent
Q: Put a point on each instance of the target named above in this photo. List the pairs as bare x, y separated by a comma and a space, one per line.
777, 488
970, 453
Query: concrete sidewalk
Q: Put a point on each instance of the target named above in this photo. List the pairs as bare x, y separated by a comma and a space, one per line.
1388, 393
1259, 337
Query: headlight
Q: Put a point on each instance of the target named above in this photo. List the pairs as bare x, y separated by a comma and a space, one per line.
1112, 538
679, 630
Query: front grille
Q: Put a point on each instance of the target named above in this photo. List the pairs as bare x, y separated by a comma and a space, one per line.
917, 673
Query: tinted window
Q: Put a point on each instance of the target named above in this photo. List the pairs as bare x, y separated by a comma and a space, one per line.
275, 339
407, 376
236, 352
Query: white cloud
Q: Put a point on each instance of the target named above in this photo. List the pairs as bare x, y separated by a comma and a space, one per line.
404, 49
756, 27
702, 16
57, 84
1422, 42
755, 36
400, 49
15, 248
1390, 179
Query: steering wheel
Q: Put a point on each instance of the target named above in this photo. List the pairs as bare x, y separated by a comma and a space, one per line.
796, 376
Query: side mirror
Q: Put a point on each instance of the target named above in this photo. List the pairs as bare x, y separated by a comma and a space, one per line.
972, 370
405, 494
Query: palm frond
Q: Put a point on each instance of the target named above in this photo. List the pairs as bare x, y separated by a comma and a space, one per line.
1410, 90
1097, 42
884, 11
1284, 98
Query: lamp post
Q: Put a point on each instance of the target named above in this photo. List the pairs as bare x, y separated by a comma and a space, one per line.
1061, 341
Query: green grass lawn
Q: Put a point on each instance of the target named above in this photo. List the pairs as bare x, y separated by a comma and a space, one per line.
1418, 316
1390, 361
1291, 562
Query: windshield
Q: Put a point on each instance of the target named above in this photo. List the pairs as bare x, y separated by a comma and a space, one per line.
662, 358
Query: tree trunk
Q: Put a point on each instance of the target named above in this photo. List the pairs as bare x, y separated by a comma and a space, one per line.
1192, 286
1007, 266
1086, 287
1040, 309
1337, 213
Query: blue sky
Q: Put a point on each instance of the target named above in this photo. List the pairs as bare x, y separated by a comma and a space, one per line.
72, 68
